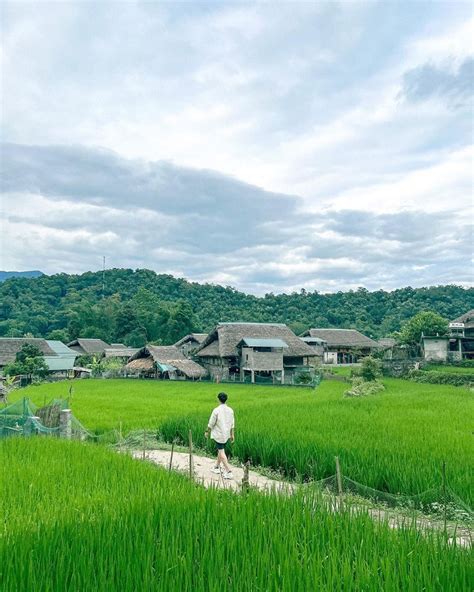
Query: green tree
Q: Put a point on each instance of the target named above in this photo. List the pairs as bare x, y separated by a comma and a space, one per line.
58, 335
427, 323
28, 361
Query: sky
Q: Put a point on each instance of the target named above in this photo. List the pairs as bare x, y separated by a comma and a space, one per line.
268, 146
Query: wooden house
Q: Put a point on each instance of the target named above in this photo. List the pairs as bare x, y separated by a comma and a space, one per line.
163, 361
122, 353
58, 357
189, 344
343, 346
253, 351
88, 347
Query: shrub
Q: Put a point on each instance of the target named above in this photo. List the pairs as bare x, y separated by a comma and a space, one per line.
361, 388
433, 377
371, 369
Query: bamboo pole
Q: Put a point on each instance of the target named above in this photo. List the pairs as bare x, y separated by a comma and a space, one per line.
339, 478
191, 471
245, 479
171, 456
445, 501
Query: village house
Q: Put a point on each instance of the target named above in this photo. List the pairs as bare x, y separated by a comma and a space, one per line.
189, 344
342, 346
318, 345
163, 361
58, 357
456, 345
121, 353
254, 351
89, 347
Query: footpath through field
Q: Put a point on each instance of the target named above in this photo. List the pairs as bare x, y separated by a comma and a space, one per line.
202, 466
201, 471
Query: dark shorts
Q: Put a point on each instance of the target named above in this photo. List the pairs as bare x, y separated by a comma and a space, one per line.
220, 445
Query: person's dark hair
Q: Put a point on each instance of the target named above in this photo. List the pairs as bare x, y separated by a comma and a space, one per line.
222, 397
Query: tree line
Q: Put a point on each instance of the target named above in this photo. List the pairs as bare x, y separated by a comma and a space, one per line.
139, 306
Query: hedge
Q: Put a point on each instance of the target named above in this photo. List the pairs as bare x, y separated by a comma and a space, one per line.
433, 377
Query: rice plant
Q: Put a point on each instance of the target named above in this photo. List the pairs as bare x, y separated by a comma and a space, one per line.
395, 441
81, 517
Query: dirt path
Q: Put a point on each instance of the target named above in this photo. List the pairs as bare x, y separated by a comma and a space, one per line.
202, 466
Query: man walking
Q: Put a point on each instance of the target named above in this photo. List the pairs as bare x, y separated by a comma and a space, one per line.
221, 424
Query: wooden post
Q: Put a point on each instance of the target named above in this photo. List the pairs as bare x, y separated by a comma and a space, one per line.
190, 455
171, 456
245, 479
443, 472
144, 443
339, 478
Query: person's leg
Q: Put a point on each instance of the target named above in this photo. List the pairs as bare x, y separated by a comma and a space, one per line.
223, 460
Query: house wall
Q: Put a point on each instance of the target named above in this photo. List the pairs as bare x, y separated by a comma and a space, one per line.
294, 361
330, 357
257, 360
435, 350
217, 367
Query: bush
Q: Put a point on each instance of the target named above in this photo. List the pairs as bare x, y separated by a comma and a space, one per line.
371, 369
362, 388
433, 377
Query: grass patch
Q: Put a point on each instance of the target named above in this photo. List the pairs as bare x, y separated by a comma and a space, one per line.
449, 369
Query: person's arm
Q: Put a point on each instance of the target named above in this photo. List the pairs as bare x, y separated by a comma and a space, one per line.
211, 423
232, 433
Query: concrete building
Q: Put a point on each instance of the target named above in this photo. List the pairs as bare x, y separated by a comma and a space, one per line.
456, 345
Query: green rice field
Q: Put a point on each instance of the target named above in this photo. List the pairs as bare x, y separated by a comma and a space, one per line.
395, 441
80, 517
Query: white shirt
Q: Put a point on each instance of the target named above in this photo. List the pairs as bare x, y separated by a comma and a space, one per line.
220, 423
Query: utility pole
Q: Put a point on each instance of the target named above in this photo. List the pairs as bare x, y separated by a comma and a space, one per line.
103, 277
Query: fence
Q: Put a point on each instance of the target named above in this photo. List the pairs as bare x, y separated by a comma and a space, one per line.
24, 419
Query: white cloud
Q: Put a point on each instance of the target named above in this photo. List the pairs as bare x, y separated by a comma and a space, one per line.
300, 99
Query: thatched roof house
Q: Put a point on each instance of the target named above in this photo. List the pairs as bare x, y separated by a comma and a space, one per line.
189, 343
58, 357
9, 347
164, 361
123, 352
225, 338
466, 320
343, 346
88, 347
262, 349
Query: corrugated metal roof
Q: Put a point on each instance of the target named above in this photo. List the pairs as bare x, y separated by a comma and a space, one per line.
254, 342
60, 348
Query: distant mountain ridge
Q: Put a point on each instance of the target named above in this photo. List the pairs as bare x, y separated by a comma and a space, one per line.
138, 306
5, 275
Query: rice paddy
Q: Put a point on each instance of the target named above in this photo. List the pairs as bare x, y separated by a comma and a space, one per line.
80, 517
394, 442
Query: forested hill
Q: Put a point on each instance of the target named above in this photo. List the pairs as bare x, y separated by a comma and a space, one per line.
139, 306
5, 275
